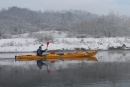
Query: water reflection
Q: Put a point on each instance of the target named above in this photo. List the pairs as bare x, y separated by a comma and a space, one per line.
66, 73
110, 69
114, 56
40, 64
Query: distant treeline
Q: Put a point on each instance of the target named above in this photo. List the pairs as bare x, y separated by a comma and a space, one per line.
16, 20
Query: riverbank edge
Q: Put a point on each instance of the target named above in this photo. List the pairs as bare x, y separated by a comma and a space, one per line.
60, 51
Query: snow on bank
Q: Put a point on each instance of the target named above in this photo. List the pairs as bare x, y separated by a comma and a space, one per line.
18, 45
30, 44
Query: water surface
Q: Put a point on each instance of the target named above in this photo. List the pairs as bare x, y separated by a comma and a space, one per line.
111, 70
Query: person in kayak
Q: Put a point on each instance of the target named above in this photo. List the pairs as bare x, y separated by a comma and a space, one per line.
40, 51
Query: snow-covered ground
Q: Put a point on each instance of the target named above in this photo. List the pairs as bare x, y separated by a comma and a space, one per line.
22, 43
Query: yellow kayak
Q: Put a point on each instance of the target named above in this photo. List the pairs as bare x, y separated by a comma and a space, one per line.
67, 59
57, 56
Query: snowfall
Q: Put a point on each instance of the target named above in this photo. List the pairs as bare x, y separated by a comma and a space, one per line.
23, 43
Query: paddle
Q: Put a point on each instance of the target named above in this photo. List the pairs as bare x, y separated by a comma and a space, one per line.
47, 43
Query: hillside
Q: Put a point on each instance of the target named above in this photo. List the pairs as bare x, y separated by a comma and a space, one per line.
15, 20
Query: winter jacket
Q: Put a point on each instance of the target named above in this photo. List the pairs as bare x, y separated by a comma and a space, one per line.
39, 52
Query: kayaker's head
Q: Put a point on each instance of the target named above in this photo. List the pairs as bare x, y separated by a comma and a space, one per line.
40, 47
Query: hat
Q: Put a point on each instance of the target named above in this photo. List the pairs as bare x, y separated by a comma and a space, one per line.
40, 47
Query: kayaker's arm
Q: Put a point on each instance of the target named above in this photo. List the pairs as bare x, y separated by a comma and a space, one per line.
44, 50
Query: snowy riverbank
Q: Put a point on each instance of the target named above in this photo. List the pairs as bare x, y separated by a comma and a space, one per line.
31, 44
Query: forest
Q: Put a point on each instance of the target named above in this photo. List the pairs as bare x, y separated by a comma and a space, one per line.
15, 20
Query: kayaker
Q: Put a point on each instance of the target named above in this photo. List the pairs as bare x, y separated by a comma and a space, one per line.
40, 51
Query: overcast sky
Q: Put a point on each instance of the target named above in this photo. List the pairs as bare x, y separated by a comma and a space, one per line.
94, 6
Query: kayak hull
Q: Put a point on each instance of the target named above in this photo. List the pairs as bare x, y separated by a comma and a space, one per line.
58, 56
66, 59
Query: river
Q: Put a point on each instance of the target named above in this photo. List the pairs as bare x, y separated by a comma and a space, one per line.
111, 70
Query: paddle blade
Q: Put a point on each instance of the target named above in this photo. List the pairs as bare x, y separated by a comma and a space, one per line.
47, 43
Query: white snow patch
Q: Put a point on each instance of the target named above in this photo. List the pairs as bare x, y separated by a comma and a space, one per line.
61, 42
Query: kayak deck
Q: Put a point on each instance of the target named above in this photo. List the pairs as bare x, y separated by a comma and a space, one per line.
58, 56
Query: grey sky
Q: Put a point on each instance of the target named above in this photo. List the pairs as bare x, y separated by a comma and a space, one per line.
94, 6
